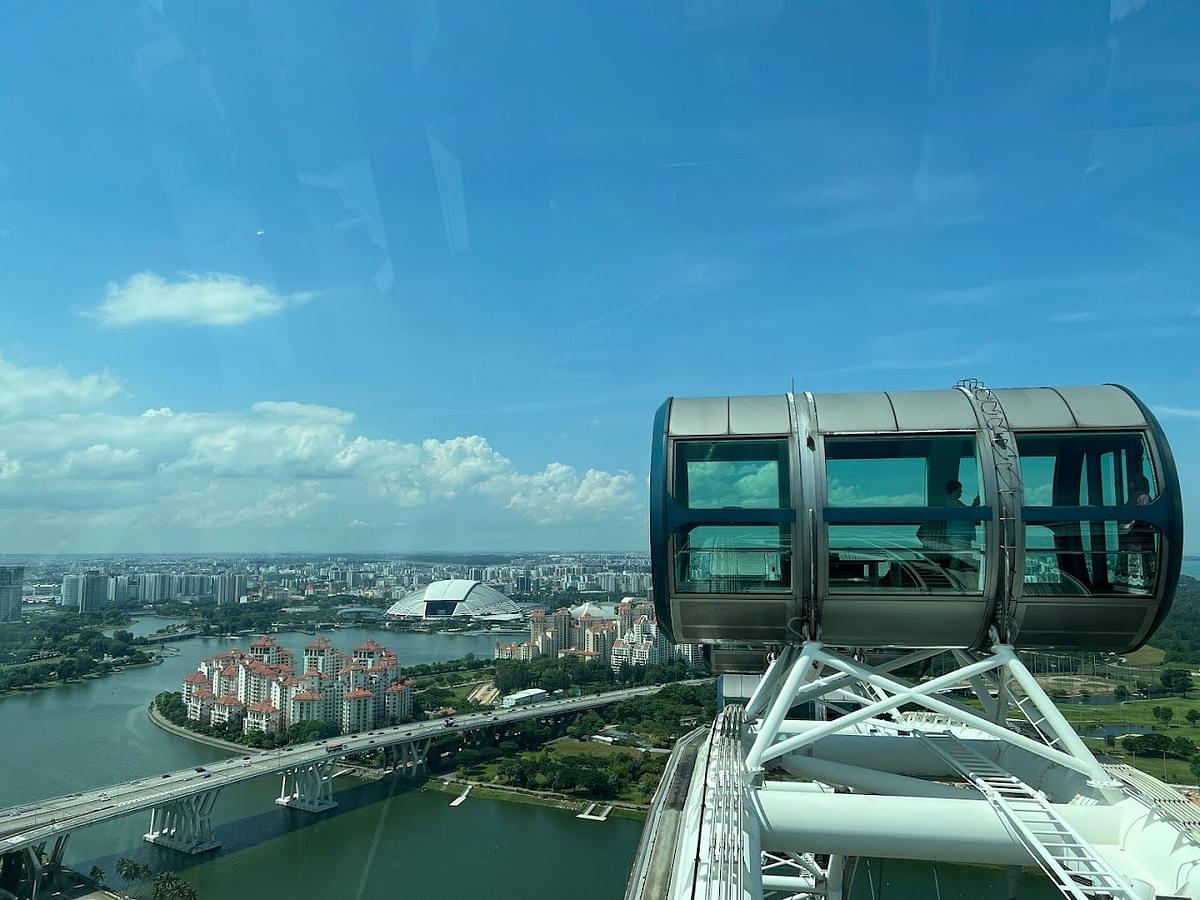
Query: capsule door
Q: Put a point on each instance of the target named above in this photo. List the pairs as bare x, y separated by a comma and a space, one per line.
904, 542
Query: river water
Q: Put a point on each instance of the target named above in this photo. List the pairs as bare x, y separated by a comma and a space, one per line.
382, 842
143, 626
374, 846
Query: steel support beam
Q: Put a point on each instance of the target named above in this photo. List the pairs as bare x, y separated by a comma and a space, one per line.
765, 748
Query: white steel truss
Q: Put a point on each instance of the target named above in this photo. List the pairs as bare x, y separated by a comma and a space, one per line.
791, 807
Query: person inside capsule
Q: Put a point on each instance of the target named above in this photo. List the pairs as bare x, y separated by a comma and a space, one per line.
959, 534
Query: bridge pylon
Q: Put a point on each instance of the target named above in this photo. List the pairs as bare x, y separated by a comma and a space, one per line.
308, 787
185, 824
33, 872
407, 760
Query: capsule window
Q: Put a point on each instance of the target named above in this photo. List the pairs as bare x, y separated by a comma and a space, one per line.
891, 472
734, 559
934, 479
1087, 469
1083, 559
932, 557
732, 474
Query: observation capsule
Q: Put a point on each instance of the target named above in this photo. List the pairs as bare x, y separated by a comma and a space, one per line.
1049, 517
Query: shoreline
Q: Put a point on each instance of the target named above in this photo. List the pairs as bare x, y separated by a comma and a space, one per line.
166, 725
489, 791
441, 784
49, 685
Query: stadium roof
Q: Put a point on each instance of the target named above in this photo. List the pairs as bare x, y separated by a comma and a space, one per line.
456, 598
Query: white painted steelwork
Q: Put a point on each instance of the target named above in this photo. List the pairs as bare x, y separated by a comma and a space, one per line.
780, 806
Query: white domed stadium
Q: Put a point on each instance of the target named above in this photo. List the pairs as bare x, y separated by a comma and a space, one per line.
456, 598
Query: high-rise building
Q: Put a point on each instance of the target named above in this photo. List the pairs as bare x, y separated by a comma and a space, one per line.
156, 586
12, 580
560, 630
118, 589
72, 586
93, 592
229, 588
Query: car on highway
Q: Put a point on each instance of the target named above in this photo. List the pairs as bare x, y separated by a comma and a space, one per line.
199, 768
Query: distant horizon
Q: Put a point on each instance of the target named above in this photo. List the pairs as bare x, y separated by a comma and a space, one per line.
10, 555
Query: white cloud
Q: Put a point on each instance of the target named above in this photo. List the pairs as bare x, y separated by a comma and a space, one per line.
308, 411
210, 299
279, 506
38, 390
9, 467
102, 461
557, 495
1177, 412
272, 474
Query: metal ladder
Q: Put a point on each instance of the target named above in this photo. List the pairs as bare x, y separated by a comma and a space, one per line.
1036, 720
1069, 861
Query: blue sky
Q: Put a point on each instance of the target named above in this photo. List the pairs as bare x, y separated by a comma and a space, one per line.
417, 275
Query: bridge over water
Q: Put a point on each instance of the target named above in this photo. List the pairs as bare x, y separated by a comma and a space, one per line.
33, 836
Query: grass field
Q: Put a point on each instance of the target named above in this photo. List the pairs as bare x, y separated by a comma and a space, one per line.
461, 691
1135, 712
1172, 771
572, 747
1146, 656
564, 747
51, 660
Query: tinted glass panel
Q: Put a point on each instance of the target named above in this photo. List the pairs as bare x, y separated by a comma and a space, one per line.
906, 559
732, 474
926, 471
724, 559
1082, 559
1086, 469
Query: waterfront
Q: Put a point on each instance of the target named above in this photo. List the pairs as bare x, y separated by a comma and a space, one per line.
143, 625
96, 732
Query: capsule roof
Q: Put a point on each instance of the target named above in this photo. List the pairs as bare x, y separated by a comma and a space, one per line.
1066, 408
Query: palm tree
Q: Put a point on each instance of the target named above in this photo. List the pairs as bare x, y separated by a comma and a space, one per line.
166, 886
129, 869
169, 886
96, 874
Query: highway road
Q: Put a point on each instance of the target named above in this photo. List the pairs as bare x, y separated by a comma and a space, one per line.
33, 823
